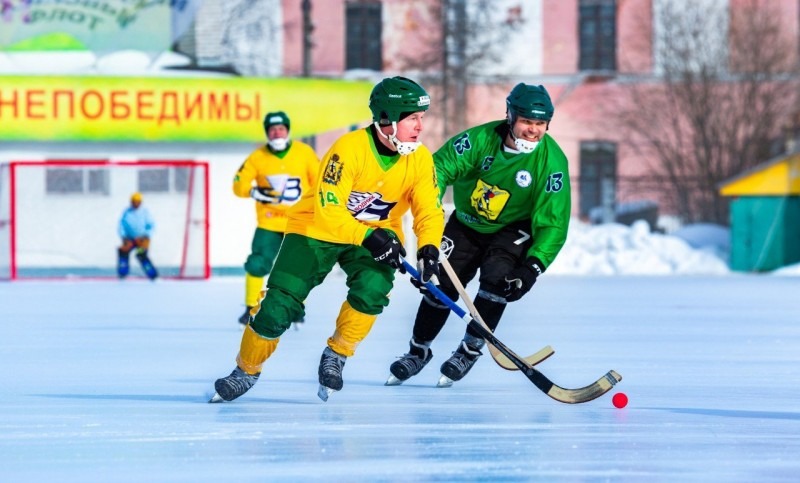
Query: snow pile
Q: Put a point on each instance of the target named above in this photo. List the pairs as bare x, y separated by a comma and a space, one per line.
614, 249
788, 271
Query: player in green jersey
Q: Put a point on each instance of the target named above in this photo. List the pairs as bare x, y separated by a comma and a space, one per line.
512, 199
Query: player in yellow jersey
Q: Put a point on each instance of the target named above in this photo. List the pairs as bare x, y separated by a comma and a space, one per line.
368, 179
275, 175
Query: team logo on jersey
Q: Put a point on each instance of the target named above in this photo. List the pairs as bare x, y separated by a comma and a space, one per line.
489, 200
523, 178
288, 189
369, 206
333, 171
462, 144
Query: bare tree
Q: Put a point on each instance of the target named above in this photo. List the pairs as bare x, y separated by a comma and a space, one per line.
724, 87
471, 37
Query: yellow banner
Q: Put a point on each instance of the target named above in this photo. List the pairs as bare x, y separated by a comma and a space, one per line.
171, 109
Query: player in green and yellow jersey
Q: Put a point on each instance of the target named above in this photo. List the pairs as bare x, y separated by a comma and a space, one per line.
368, 179
275, 175
512, 199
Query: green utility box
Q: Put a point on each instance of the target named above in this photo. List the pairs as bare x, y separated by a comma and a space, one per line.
765, 215
765, 232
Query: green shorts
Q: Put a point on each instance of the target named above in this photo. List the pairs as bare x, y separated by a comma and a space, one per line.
302, 264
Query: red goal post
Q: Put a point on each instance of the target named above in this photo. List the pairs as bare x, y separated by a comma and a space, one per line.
59, 218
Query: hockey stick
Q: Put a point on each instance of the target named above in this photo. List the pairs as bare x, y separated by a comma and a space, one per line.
498, 356
569, 396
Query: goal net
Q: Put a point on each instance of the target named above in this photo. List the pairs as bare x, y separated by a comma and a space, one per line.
59, 219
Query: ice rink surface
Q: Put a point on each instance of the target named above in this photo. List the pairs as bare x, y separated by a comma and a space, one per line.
108, 381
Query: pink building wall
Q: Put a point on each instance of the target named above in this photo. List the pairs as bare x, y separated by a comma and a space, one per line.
328, 19
408, 27
559, 36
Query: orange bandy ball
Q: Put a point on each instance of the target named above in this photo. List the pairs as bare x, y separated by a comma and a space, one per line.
620, 400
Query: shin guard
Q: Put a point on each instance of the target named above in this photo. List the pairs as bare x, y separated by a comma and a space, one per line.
123, 263
352, 327
254, 350
147, 265
252, 289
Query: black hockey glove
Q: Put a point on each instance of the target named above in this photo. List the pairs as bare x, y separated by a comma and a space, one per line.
385, 248
521, 279
264, 195
428, 268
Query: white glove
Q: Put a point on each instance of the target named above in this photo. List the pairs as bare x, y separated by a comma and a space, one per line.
264, 195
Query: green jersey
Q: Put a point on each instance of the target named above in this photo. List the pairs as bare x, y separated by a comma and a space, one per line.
493, 188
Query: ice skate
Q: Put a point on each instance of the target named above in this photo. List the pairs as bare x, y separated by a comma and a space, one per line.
409, 364
330, 373
230, 387
297, 323
245, 317
444, 381
459, 364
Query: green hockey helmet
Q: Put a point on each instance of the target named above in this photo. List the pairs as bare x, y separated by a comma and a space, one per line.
275, 118
529, 101
394, 96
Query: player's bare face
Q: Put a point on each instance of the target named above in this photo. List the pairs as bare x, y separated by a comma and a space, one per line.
277, 131
529, 129
409, 129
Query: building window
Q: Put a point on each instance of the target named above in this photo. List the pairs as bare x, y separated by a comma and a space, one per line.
182, 178
598, 35
363, 35
598, 178
154, 180
98, 180
62, 181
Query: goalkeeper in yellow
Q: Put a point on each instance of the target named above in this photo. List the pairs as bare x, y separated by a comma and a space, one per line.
368, 179
275, 175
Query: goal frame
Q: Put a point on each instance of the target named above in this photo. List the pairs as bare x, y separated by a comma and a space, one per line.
191, 214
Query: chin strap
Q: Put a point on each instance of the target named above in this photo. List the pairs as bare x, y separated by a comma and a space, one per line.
401, 147
278, 144
523, 146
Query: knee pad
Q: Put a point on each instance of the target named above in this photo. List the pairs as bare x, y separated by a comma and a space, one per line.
277, 312
256, 265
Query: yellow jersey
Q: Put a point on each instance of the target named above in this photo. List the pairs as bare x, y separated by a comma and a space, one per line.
289, 177
357, 190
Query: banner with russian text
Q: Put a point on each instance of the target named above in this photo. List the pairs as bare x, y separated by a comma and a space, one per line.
99, 26
173, 109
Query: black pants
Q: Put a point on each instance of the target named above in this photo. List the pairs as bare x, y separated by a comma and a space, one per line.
468, 251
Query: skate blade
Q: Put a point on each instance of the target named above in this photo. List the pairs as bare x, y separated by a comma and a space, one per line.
216, 398
444, 381
393, 381
323, 392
